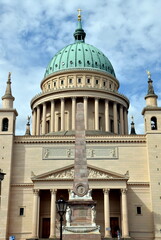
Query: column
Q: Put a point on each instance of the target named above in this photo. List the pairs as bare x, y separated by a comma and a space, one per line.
34, 122
52, 114
121, 120
62, 114
96, 114
86, 112
44, 119
107, 212
115, 118
125, 121
107, 116
53, 214
38, 121
35, 214
124, 210
73, 112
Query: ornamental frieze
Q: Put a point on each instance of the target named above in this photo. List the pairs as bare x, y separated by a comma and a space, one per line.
68, 153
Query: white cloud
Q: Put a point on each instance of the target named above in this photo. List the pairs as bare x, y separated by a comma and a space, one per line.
128, 32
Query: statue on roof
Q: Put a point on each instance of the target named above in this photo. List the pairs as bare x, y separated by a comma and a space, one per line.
149, 74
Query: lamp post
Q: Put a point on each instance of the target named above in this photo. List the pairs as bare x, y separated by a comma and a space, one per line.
61, 209
1, 175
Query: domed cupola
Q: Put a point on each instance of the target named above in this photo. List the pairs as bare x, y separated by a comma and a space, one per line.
79, 55
79, 72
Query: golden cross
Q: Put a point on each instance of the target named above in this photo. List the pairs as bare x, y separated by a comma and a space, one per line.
79, 14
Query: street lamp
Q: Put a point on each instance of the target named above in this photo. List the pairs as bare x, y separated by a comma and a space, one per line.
61, 209
1, 175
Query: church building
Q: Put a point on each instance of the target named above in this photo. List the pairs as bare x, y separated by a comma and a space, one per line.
124, 169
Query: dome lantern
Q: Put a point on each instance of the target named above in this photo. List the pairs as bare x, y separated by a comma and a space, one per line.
79, 33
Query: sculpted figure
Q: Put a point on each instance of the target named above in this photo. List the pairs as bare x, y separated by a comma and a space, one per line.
93, 215
68, 216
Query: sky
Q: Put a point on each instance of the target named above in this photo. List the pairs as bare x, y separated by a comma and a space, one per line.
128, 32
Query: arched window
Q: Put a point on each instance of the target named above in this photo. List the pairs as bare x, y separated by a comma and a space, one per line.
5, 124
153, 123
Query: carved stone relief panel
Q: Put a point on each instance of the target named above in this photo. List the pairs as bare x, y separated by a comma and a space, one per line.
92, 153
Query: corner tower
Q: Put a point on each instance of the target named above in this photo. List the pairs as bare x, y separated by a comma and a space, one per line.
79, 72
151, 113
7, 130
152, 120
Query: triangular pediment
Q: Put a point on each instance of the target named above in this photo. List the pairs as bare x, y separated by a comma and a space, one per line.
67, 173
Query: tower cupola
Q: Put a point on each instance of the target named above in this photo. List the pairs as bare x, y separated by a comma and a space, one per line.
7, 99
151, 97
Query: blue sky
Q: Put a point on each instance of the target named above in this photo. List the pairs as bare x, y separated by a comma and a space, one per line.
126, 31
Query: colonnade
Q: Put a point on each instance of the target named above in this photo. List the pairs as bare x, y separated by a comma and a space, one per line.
124, 213
118, 117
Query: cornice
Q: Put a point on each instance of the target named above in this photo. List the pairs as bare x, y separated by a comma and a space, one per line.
150, 108
76, 89
9, 110
130, 184
115, 139
146, 184
24, 185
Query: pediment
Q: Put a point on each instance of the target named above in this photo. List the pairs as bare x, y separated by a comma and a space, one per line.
67, 173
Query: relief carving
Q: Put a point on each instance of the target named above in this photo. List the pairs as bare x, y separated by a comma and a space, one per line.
91, 153
69, 174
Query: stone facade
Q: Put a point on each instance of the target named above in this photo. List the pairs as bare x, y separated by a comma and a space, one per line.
123, 170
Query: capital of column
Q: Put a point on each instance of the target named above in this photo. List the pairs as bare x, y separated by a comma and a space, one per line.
36, 191
106, 190
124, 190
53, 191
96, 98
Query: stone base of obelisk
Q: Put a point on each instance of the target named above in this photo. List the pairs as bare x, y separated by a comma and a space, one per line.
82, 225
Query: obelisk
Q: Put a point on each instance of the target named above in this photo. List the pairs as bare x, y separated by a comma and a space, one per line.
81, 213
80, 184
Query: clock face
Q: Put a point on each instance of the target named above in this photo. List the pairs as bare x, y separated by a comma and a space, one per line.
81, 189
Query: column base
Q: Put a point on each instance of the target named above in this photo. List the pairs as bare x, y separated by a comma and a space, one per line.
32, 239
82, 236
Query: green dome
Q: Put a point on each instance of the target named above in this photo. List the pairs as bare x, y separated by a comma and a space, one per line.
79, 55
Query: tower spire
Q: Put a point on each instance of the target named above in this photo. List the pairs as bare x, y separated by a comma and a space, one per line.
150, 83
79, 33
133, 132
7, 99
151, 97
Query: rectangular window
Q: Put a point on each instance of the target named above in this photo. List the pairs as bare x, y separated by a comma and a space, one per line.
62, 82
138, 210
54, 84
70, 80
88, 80
96, 81
79, 80
104, 84
21, 211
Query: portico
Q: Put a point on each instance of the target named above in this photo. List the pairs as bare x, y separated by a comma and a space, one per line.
108, 189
